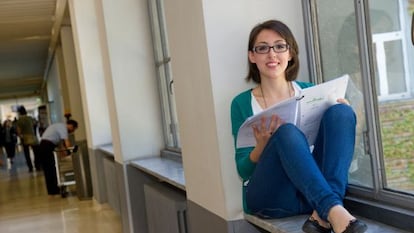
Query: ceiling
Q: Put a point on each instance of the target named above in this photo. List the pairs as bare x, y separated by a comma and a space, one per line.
26, 38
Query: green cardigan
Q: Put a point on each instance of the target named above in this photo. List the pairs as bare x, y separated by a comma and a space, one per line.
241, 109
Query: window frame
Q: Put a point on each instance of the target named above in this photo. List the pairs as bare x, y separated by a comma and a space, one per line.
390, 203
162, 63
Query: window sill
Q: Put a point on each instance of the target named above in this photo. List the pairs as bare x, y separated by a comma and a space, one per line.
386, 214
380, 218
294, 224
163, 168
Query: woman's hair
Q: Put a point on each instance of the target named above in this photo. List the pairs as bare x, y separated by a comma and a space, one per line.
283, 30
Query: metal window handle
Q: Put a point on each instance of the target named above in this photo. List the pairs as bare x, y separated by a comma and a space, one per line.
170, 86
412, 29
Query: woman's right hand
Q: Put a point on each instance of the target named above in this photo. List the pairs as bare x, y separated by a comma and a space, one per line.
262, 133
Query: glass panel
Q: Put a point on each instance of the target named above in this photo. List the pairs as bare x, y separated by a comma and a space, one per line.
391, 82
165, 80
395, 67
394, 53
388, 37
340, 55
384, 17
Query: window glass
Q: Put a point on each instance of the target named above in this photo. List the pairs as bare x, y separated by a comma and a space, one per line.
340, 55
165, 80
394, 77
388, 108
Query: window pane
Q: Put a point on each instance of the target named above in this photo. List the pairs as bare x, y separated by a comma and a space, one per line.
394, 74
165, 81
340, 55
391, 82
395, 67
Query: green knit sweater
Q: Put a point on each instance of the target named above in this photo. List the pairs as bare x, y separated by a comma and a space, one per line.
241, 109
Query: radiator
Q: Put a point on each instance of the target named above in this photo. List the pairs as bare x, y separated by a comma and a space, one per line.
165, 208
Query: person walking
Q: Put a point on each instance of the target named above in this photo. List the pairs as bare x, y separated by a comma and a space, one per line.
53, 136
10, 139
26, 132
1, 144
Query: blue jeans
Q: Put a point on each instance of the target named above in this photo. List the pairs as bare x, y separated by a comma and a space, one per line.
289, 179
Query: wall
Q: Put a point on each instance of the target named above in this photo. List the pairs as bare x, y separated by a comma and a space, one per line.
131, 88
131, 84
208, 41
30, 103
54, 90
74, 102
209, 63
90, 72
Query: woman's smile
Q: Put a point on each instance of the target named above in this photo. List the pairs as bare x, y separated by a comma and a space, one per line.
272, 64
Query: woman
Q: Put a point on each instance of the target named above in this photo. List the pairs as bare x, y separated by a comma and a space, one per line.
281, 176
10, 139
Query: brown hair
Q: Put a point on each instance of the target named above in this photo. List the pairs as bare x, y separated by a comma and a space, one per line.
283, 30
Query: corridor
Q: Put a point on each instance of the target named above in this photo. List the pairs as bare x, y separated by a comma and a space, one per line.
25, 206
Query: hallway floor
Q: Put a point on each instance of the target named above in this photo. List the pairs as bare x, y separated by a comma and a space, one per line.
26, 207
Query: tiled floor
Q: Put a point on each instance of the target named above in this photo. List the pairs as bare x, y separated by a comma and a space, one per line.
25, 206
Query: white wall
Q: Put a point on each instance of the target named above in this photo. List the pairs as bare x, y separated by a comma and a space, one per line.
208, 42
131, 83
90, 72
54, 92
30, 103
230, 30
74, 105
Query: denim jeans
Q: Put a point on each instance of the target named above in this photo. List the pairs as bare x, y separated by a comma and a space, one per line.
289, 179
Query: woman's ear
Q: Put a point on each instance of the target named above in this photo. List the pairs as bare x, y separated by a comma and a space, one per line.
252, 58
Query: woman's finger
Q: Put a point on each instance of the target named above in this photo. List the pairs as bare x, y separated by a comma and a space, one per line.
263, 123
343, 101
273, 123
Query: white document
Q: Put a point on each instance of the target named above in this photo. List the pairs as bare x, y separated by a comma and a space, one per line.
305, 111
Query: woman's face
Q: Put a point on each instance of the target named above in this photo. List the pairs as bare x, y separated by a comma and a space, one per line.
273, 64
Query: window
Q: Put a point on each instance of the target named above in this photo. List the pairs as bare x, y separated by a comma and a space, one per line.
370, 41
165, 79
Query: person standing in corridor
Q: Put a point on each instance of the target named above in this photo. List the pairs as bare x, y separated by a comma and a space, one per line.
53, 136
10, 139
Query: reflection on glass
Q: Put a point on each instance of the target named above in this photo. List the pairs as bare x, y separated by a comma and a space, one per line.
165, 80
393, 61
340, 55
395, 67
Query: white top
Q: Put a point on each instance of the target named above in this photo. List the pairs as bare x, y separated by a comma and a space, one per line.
256, 106
55, 133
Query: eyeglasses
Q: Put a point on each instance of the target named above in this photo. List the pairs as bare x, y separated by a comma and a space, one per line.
277, 48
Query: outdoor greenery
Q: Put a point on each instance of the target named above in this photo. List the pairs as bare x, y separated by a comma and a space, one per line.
397, 131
